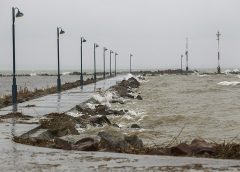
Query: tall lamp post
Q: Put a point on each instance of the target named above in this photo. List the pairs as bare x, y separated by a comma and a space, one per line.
218, 39
131, 63
111, 62
59, 31
14, 85
104, 72
186, 53
95, 74
181, 63
116, 64
81, 74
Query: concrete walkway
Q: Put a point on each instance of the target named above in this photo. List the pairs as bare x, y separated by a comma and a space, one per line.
60, 102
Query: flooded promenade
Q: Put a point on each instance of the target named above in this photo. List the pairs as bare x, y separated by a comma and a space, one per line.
21, 157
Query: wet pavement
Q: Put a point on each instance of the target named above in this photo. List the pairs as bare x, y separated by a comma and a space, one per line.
60, 102
18, 157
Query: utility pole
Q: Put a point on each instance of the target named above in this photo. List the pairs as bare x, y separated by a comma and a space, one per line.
186, 53
218, 39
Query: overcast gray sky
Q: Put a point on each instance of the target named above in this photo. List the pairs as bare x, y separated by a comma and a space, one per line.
153, 30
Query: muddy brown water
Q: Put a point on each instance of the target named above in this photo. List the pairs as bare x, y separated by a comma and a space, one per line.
169, 103
198, 105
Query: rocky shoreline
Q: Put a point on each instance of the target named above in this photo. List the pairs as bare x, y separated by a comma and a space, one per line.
61, 131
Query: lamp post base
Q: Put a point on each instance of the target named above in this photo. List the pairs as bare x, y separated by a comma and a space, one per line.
14, 93
95, 78
81, 81
218, 70
59, 85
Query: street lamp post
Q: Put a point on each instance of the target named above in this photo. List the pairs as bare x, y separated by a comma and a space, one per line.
59, 31
131, 63
81, 74
14, 85
104, 73
116, 64
95, 74
186, 53
181, 63
218, 39
111, 63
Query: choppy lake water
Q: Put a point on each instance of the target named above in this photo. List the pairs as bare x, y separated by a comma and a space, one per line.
202, 106
205, 106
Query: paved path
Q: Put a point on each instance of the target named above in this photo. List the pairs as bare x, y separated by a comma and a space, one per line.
61, 102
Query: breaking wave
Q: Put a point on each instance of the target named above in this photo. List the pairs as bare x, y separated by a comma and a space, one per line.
33, 74
66, 73
231, 83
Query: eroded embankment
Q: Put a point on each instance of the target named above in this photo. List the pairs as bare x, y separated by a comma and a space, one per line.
63, 131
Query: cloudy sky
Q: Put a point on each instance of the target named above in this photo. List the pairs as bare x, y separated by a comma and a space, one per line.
153, 30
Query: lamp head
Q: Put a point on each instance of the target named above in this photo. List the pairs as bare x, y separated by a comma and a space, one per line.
19, 14
131, 55
111, 51
105, 49
116, 54
62, 31
96, 45
83, 39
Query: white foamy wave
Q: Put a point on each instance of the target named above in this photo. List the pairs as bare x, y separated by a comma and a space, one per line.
204, 75
238, 76
90, 105
104, 100
74, 114
236, 70
195, 73
129, 75
66, 73
133, 113
227, 71
231, 83
33, 74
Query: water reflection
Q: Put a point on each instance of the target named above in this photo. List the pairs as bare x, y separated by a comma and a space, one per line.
58, 102
94, 88
15, 107
13, 134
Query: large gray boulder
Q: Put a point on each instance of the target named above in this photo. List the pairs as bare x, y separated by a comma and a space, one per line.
134, 141
112, 141
116, 141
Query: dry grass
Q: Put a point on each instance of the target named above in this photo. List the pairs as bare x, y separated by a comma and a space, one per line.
227, 151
